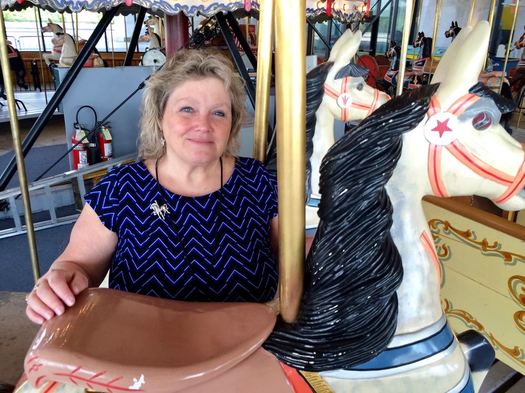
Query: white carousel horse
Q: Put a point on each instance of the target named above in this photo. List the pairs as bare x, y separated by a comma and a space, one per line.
154, 25
370, 318
346, 97
64, 49
152, 38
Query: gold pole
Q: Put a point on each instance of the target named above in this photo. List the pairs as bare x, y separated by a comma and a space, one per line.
264, 76
290, 87
38, 23
471, 12
63, 22
509, 44
491, 21
15, 132
76, 31
409, 11
437, 16
492, 11
126, 33
112, 44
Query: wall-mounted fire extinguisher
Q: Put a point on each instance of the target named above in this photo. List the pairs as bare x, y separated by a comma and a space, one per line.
80, 151
84, 150
105, 143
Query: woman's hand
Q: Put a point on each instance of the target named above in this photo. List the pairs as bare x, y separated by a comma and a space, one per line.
54, 291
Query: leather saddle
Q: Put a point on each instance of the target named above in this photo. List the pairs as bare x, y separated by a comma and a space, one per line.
116, 341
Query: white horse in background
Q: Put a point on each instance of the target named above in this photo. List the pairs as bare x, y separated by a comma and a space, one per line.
64, 48
346, 97
155, 28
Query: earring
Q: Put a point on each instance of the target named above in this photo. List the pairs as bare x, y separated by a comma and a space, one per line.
162, 141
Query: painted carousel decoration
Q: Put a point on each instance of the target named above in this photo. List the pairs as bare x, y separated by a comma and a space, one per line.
370, 317
342, 10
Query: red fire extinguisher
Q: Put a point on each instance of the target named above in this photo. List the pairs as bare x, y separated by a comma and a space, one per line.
105, 143
80, 151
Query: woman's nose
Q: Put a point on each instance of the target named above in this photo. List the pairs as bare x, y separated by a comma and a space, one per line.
203, 122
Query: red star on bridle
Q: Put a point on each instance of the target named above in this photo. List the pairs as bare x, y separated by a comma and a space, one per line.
442, 127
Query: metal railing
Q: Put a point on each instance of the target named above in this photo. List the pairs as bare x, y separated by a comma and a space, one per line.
46, 188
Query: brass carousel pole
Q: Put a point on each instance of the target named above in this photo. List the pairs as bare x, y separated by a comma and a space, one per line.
491, 22
77, 38
290, 87
437, 16
264, 76
15, 132
471, 12
409, 11
38, 23
509, 44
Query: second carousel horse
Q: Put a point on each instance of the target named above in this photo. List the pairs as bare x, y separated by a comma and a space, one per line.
64, 49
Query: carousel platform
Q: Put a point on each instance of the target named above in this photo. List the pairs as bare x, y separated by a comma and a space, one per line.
35, 102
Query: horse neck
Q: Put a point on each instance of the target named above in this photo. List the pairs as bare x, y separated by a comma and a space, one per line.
69, 49
322, 140
154, 41
418, 295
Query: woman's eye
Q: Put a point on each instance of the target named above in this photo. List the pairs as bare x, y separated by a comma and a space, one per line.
187, 109
220, 113
360, 86
482, 121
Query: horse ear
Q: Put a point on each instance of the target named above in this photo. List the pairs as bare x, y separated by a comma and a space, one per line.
348, 48
450, 55
468, 62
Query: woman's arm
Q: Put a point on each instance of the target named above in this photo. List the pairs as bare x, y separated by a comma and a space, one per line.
83, 264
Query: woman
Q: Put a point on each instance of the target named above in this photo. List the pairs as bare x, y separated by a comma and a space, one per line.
189, 221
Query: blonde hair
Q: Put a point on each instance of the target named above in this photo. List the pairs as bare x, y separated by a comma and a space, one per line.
187, 64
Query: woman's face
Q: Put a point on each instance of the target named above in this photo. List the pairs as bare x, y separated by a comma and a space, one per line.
197, 121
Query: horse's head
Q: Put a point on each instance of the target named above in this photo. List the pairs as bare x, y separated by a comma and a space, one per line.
469, 152
453, 30
52, 27
419, 39
347, 95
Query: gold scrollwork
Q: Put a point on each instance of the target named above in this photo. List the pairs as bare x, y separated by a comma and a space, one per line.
439, 228
516, 353
516, 286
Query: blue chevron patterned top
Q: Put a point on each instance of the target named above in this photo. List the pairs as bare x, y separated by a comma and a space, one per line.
214, 247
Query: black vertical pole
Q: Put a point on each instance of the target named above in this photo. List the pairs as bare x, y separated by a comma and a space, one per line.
133, 44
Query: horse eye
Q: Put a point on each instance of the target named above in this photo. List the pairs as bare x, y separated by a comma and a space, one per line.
482, 121
360, 86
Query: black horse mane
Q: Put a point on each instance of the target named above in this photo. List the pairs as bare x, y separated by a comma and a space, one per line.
315, 80
348, 311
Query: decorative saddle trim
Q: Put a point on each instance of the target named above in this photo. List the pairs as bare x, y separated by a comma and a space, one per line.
410, 353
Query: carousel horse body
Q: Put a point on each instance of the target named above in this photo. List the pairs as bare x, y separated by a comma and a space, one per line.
370, 318
336, 90
64, 49
425, 53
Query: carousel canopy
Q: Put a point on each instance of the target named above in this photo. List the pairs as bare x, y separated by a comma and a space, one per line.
343, 10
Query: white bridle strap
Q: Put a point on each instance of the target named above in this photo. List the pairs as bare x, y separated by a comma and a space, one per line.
513, 183
345, 87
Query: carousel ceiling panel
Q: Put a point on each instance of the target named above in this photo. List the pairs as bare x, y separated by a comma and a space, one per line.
343, 10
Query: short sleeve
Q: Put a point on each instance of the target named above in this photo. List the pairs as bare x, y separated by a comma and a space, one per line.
104, 199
